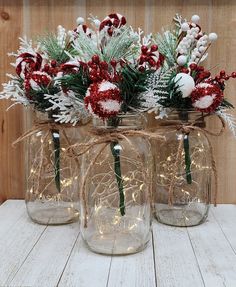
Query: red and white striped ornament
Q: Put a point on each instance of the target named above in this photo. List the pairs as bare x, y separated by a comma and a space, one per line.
82, 28
37, 80
206, 97
150, 58
70, 66
26, 63
112, 21
103, 99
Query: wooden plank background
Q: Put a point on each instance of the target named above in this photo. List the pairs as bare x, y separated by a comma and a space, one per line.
31, 17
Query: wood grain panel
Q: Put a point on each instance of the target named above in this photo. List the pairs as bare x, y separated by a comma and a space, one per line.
223, 54
32, 17
11, 123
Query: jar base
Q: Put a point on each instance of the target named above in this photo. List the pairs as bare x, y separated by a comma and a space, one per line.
123, 244
49, 215
180, 217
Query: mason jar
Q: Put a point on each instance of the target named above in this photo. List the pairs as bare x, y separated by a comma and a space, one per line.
115, 200
52, 195
183, 169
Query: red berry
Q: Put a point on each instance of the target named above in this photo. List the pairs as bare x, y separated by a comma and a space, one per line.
46, 67
200, 68
104, 65
142, 59
141, 69
144, 49
95, 59
185, 70
113, 63
193, 66
90, 64
226, 77
93, 73
207, 74
233, 75
154, 48
151, 62
217, 78
53, 63
222, 73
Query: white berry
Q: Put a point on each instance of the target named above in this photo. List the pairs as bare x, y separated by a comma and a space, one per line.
201, 49
181, 60
195, 19
80, 20
185, 27
96, 22
212, 37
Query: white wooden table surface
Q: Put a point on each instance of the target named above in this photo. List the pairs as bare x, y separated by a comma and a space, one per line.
36, 255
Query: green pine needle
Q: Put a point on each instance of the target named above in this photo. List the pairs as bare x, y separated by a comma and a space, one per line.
133, 83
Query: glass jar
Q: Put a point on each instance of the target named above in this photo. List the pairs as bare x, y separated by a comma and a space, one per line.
52, 195
115, 211
186, 203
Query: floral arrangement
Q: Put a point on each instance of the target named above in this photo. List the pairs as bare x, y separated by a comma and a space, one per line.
182, 83
72, 75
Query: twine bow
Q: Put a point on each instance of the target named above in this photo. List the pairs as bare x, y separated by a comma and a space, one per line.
186, 129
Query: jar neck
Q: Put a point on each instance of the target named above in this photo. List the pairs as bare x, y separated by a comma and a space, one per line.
43, 117
121, 122
185, 117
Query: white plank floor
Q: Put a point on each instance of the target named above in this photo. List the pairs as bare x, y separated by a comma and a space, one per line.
49, 256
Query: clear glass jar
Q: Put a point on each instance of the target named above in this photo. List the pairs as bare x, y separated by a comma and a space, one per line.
192, 171
115, 211
52, 195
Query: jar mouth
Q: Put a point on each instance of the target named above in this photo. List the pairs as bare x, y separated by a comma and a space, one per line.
183, 117
122, 121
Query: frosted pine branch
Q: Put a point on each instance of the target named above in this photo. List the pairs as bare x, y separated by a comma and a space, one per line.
229, 119
13, 91
71, 109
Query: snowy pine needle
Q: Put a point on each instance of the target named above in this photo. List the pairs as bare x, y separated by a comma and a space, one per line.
229, 119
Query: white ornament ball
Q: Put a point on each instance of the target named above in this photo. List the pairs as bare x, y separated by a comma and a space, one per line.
181, 60
185, 84
195, 19
212, 37
184, 27
80, 20
96, 22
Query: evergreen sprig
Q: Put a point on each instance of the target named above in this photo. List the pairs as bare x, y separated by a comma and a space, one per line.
78, 82
133, 83
54, 50
38, 100
175, 99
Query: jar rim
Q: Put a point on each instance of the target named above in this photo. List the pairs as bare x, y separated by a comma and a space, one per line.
137, 121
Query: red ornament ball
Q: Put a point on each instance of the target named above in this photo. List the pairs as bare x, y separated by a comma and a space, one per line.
103, 99
206, 97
